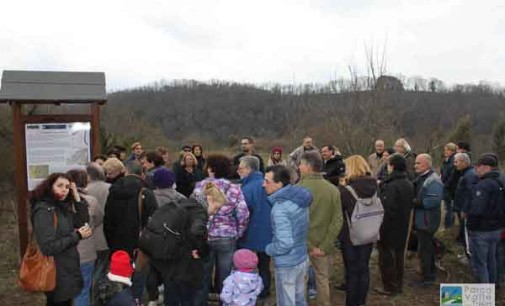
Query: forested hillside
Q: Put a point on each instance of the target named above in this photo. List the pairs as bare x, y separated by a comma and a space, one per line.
218, 113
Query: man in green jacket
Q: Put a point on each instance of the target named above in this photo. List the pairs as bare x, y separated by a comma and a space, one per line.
325, 221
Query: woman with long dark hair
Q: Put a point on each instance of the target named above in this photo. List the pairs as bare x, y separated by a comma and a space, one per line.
197, 150
57, 199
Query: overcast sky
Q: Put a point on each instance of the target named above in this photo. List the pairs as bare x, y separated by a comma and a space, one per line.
285, 41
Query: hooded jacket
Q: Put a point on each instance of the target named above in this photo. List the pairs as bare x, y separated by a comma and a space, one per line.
121, 219
290, 225
60, 242
167, 195
241, 289
365, 187
259, 230
231, 220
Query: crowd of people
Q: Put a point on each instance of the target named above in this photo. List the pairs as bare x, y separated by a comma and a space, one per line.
203, 228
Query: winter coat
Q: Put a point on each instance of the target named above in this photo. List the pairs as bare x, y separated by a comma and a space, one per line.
375, 162
483, 213
334, 169
282, 162
294, 161
100, 191
110, 293
290, 225
429, 193
259, 230
241, 289
185, 181
365, 187
449, 176
397, 194
61, 242
231, 220
200, 162
464, 190
187, 269
410, 160
150, 177
167, 195
121, 220
325, 212
86, 247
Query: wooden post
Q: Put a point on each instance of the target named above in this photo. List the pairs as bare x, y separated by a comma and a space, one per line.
20, 174
95, 130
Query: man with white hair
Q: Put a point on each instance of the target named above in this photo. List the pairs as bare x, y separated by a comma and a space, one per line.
402, 147
259, 233
428, 196
375, 160
463, 195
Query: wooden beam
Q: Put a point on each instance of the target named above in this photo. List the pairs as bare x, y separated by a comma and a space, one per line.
95, 130
20, 175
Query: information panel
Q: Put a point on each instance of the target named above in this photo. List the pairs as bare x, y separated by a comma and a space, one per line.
55, 147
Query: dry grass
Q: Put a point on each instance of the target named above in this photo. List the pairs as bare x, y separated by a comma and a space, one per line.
10, 292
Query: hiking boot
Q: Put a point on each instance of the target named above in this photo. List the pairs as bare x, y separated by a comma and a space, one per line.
312, 294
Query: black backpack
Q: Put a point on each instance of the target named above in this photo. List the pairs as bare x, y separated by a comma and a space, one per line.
166, 232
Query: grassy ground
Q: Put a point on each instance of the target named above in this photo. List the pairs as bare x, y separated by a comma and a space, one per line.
10, 293
457, 272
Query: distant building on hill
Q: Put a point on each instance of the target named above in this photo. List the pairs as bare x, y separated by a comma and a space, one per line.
388, 83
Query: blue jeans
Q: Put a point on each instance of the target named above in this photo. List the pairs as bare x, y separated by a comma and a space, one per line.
290, 284
220, 256
483, 247
83, 299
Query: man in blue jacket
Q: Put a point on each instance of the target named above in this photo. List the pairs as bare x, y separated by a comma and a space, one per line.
464, 191
429, 192
290, 224
259, 230
485, 218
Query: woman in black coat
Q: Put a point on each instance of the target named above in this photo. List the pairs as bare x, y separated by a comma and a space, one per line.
188, 174
56, 198
356, 257
397, 194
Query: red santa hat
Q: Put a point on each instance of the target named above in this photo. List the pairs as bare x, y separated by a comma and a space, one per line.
121, 268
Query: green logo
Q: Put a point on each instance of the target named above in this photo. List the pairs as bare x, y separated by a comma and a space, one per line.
451, 295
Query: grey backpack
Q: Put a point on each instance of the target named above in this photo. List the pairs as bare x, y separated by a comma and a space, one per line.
365, 222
